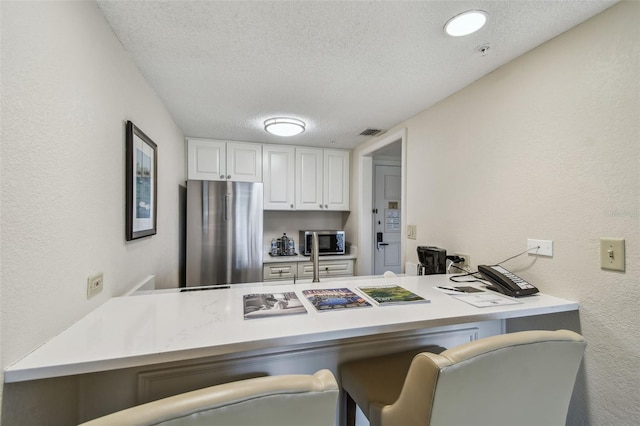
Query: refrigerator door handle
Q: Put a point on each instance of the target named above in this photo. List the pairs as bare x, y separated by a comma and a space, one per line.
205, 207
227, 203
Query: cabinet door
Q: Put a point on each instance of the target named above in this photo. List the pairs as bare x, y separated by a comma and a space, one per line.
309, 179
326, 268
279, 271
244, 162
336, 179
206, 159
278, 175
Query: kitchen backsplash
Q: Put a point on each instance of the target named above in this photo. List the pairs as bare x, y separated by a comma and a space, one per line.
278, 222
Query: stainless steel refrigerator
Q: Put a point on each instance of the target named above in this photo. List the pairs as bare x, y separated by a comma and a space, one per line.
224, 232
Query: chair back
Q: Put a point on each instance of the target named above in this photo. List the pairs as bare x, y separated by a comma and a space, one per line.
523, 378
274, 400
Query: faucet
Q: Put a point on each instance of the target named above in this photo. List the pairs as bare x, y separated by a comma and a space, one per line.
314, 257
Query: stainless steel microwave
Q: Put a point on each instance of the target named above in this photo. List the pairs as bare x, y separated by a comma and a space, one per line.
329, 242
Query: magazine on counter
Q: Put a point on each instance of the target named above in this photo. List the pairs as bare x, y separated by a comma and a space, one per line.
334, 299
390, 294
272, 304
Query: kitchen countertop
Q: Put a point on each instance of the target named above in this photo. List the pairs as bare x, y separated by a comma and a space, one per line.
174, 326
267, 258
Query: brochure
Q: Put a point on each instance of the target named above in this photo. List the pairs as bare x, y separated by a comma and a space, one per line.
334, 299
272, 304
469, 289
458, 289
486, 299
384, 295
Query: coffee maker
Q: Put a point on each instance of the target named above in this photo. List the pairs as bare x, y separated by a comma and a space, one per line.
433, 260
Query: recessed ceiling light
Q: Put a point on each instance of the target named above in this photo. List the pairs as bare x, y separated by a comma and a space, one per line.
284, 126
466, 23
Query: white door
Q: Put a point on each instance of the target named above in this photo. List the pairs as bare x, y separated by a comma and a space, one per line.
387, 226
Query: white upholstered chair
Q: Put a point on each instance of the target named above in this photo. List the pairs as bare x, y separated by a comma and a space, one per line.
523, 378
271, 401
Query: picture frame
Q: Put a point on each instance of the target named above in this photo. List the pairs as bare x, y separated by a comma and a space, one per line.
141, 184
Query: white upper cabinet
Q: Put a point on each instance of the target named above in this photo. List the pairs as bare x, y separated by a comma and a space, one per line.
295, 177
309, 179
210, 159
322, 179
206, 159
244, 162
336, 179
278, 167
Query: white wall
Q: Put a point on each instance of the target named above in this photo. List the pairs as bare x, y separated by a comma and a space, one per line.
548, 147
68, 88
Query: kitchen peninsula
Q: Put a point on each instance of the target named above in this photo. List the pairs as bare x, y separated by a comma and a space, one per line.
164, 342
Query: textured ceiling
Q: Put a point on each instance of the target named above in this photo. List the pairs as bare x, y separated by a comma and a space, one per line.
223, 67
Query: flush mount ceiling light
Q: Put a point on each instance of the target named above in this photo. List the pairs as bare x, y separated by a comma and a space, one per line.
284, 126
466, 23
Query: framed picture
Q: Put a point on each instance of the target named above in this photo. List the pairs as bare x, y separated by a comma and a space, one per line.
142, 184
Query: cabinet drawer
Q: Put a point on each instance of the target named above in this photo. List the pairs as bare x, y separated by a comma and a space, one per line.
329, 268
279, 271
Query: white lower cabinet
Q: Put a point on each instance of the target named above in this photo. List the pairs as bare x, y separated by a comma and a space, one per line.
279, 271
304, 270
331, 268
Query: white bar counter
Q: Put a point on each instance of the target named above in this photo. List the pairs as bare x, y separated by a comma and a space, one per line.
167, 326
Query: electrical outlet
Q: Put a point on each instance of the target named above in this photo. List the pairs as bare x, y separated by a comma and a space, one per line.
94, 285
545, 247
467, 261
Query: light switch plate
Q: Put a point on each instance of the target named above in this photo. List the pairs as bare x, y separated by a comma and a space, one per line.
411, 232
612, 254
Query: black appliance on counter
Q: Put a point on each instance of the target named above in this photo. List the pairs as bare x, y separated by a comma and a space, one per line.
433, 260
329, 242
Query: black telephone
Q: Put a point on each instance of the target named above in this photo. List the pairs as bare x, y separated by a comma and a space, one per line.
506, 282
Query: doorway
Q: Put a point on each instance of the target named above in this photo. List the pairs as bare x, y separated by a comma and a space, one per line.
388, 151
386, 218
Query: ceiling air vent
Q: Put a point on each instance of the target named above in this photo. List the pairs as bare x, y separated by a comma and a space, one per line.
371, 132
